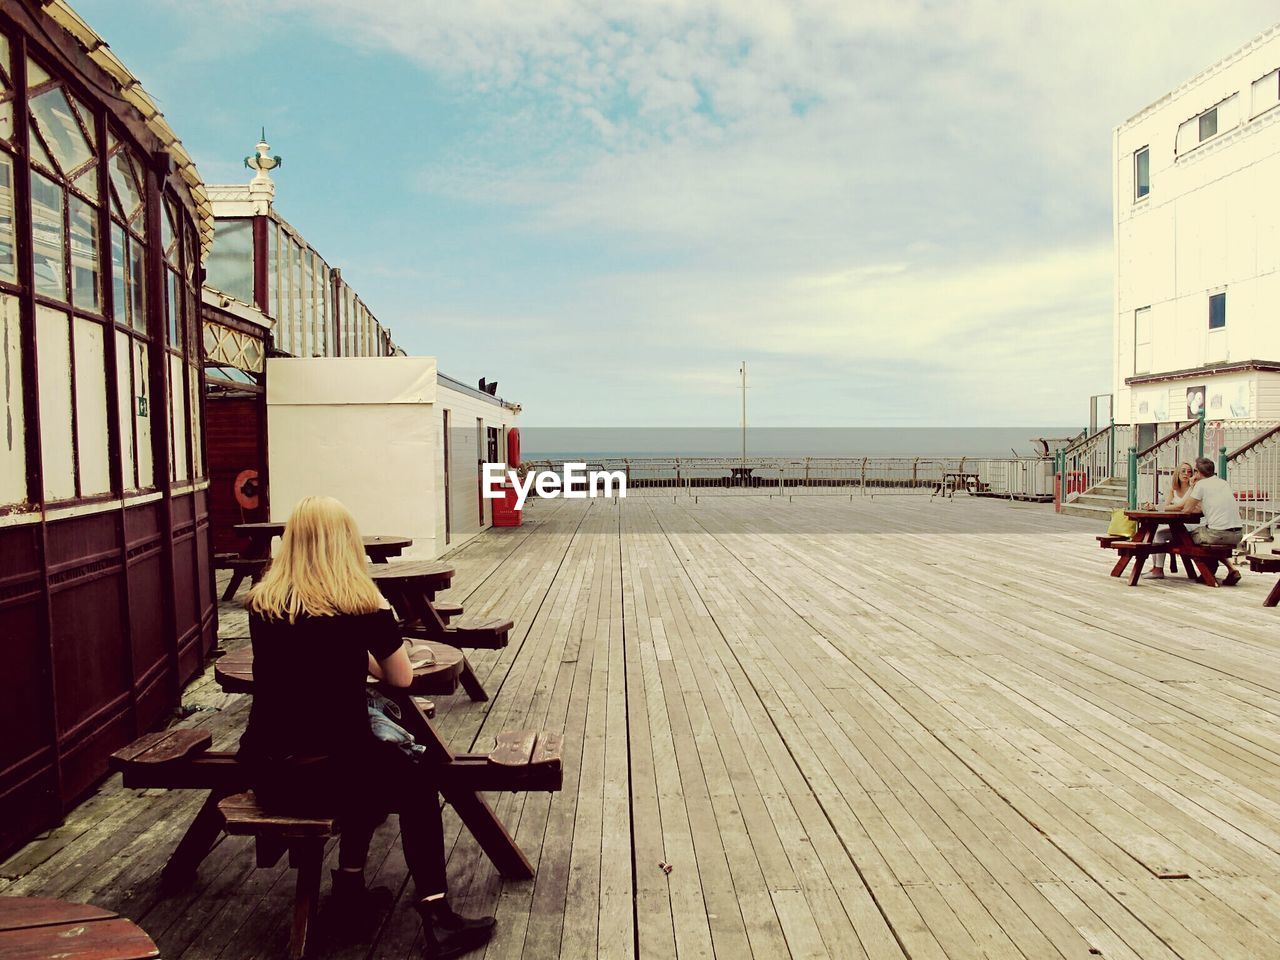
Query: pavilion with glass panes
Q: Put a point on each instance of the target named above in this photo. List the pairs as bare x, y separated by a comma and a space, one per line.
106, 591
268, 293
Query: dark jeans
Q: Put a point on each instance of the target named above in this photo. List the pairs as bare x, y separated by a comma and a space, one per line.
361, 790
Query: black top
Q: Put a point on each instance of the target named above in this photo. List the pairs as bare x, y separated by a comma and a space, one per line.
309, 683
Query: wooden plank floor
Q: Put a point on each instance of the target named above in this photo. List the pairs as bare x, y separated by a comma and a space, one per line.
854, 727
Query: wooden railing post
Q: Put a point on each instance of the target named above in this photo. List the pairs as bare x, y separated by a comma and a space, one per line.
1222, 462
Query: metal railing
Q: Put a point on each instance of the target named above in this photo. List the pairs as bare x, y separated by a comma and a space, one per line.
1094, 459
1022, 478
1253, 470
1156, 463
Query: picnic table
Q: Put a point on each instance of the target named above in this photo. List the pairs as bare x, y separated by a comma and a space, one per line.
1200, 562
411, 586
954, 480
378, 548
37, 928
437, 678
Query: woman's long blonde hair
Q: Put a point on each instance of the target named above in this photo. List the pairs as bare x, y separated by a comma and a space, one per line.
320, 569
1178, 486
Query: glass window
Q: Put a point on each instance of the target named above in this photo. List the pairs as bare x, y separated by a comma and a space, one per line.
142, 415
46, 223
308, 305
53, 359
60, 129
174, 308
1141, 173
84, 255
91, 408
1218, 311
8, 248
230, 264
13, 476
1142, 340
119, 286
193, 414
138, 286
273, 268
125, 402
1208, 124
128, 190
179, 428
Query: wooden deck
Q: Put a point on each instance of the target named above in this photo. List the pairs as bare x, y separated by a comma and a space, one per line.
939, 731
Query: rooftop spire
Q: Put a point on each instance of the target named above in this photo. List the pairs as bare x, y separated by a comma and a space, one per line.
261, 187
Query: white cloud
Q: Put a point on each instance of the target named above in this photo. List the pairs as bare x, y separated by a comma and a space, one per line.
914, 184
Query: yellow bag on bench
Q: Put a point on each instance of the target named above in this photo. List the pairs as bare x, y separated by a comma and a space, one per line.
1121, 526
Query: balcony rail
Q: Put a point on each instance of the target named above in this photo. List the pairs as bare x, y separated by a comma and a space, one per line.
1253, 470
1018, 477
1096, 458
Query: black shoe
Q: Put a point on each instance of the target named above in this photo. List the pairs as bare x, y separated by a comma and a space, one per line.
446, 934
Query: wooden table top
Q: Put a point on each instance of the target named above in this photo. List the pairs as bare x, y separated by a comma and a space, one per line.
38, 928
1168, 516
435, 570
234, 672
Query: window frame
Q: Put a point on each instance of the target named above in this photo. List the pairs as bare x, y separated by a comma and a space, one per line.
1138, 193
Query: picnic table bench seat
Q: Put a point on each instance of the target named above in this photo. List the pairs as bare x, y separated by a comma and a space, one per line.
522, 760
1267, 563
303, 838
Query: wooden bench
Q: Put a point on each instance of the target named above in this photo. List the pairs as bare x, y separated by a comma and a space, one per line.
1130, 549
303, 838
181, 759
1267, 563
241, 568
447, 610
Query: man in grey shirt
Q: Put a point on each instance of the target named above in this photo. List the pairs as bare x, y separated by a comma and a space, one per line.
1222, 527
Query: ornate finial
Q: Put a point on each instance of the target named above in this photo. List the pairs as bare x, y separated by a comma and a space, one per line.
262, 161
261, 188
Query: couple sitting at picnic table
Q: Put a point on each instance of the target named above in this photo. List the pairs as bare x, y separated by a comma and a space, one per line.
1196, 489
319, 625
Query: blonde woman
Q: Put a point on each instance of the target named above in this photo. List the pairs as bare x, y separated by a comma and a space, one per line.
318, 625
1184, 478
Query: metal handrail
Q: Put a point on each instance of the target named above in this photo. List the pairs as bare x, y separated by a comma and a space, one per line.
1167, 438
1256, 441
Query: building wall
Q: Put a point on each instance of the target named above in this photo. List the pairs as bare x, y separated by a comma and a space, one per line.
469, 417
1210, 223
106, 599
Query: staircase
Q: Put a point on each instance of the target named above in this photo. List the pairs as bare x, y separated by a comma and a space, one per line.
1098, 501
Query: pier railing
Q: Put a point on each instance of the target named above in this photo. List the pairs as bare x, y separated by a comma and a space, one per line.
1253, 470
1096, 458
1157, 462
1022, 478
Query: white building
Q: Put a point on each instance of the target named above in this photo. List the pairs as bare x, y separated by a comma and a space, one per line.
1196, 194
395, 440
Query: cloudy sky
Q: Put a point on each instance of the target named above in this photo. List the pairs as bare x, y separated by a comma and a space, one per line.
898, 213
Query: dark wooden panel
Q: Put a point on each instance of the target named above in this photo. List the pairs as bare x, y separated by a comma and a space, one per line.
19, 551
24, 684
232, 437
187, 614
146, 583
142, 523
84, 756
90, 657
27, 806
74, 539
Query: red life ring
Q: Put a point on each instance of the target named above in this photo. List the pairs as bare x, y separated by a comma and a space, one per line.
246, 489
513, 447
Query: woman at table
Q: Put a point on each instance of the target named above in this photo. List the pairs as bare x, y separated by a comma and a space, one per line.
1184, 478
318, 626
